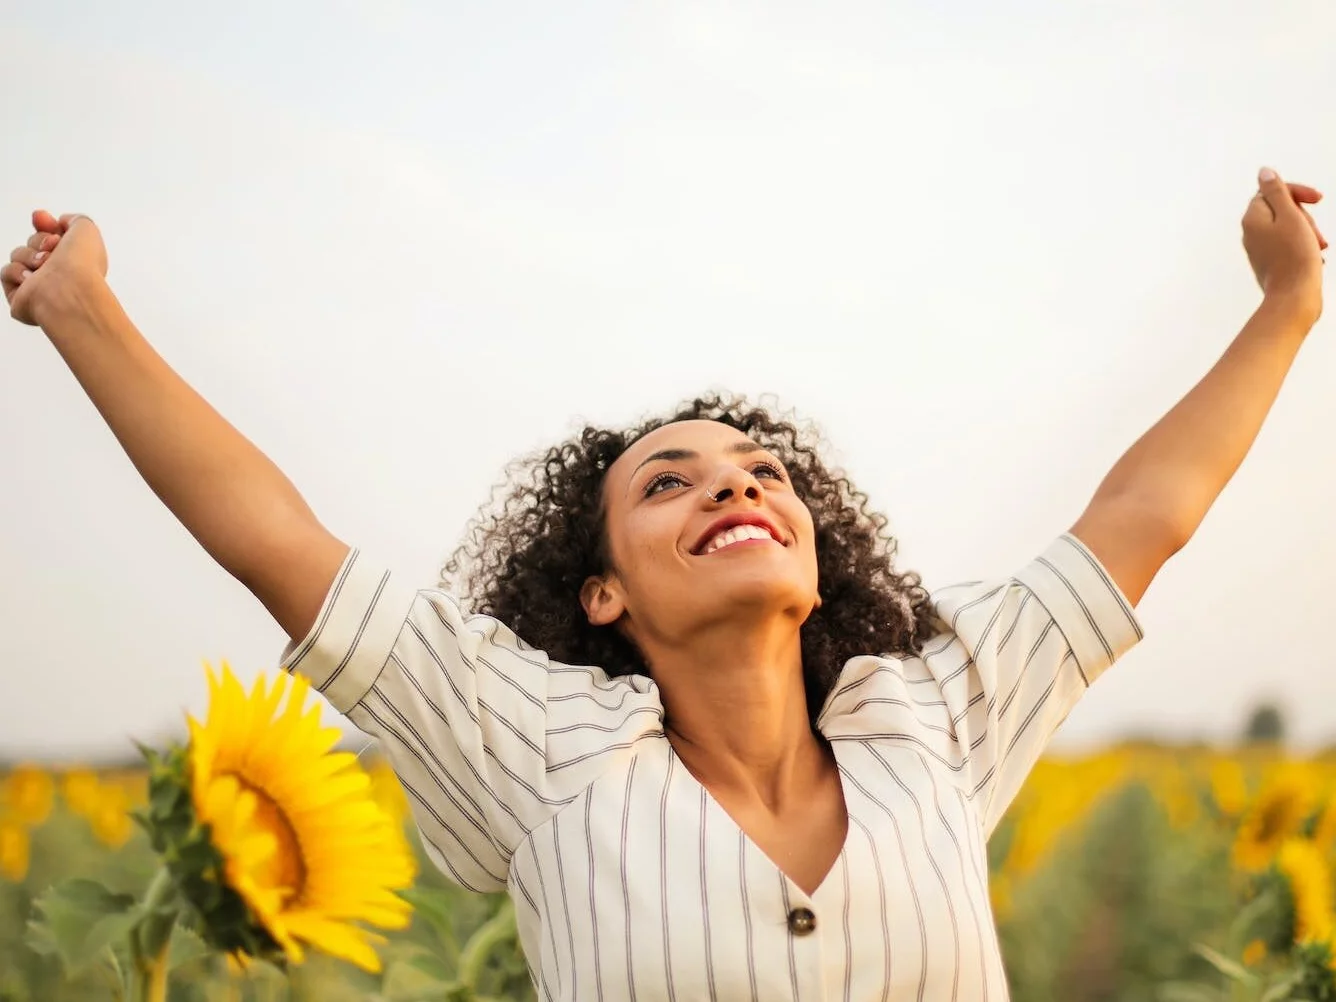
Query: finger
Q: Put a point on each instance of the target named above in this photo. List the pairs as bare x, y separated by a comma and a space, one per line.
28, 257
12, 276
1303, 193
1273, 190
44, 222
69, 219
1258, 212
43, 241
1312, 223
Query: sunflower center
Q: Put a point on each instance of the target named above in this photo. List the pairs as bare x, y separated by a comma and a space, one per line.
286, 866
1275, 819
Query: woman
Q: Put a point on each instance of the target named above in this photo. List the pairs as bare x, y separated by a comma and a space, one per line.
734, 754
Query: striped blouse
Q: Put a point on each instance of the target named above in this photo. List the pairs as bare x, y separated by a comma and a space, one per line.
558, 785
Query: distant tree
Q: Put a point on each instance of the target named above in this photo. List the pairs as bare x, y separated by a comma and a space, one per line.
1266, 725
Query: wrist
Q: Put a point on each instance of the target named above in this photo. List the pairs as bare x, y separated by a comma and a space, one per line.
75, 305
1298, 305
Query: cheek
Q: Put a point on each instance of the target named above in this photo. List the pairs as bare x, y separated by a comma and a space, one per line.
805, 526
648, 537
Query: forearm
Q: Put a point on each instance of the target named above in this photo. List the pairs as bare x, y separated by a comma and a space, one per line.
1175, 471
225, 491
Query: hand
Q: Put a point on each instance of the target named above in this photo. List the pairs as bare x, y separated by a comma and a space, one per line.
62, 258
1284, 245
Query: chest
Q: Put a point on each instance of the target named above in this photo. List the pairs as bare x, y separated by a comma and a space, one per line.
646, 888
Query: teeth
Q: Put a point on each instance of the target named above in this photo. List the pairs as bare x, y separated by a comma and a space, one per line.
736, 535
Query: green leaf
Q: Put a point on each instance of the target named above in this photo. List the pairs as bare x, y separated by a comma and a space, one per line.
431, 966
1227, 967
1279, 991
436, 908
185, 947
417, 975
1240, 929
1187, 991
78, 919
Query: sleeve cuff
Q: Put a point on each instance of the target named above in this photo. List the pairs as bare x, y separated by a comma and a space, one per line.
1086, 604
354, 632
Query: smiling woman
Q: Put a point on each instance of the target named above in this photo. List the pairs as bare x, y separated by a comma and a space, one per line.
709, 739
529, 562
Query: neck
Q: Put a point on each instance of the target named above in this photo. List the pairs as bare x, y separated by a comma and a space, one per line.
736, 709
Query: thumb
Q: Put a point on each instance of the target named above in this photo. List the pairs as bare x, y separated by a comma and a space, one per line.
69, 219
1273, 189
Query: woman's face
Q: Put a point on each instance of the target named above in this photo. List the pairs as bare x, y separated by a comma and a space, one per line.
702, 526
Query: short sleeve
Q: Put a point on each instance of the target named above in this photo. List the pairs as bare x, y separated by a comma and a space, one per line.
488, 736
987, 694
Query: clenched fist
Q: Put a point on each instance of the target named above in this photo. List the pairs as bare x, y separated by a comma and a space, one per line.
63, 259
1283, 243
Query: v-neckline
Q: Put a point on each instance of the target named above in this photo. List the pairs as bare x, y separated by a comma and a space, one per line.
714, 805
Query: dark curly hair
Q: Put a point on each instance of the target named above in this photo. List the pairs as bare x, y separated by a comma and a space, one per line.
525, 557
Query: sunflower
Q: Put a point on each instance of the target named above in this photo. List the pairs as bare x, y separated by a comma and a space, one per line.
1280, 810
14, 849
109, 816
1229, 786
29, 793
79, 789
273, 837
387, 791
1309, 880
1254, 953
1324, 832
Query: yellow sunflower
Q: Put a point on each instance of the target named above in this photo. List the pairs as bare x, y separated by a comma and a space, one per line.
1229, 786
29, 793
1309, 880
109, 816
301, 839
1283, 805
14, 849
387, 791
79, 788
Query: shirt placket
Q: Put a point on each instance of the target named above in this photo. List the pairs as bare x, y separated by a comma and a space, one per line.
805, 933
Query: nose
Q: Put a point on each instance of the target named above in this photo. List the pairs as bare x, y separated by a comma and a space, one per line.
731, 480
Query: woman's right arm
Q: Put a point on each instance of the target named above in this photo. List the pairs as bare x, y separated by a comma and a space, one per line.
225, 491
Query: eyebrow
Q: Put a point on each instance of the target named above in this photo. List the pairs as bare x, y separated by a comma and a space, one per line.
674, 455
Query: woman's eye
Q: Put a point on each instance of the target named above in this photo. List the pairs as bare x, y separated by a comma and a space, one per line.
769, 470
663, 480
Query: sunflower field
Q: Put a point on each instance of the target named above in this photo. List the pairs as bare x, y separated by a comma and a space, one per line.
1142, 872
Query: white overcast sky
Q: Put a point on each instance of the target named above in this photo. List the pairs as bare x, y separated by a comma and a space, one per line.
984, 245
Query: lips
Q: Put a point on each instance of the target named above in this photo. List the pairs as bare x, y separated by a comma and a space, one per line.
732, 528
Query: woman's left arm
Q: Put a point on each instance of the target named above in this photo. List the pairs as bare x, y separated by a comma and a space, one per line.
1152, 501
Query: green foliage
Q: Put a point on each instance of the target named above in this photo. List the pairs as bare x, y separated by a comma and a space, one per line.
1112, 915
218, 913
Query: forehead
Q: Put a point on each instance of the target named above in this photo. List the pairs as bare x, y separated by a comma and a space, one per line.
700, 436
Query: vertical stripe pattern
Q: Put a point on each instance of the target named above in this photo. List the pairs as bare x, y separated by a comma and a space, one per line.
558, 784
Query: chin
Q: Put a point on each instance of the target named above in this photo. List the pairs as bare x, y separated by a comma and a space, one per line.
759, 593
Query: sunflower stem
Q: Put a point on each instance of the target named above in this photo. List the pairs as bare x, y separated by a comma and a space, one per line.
152, 937
486, 938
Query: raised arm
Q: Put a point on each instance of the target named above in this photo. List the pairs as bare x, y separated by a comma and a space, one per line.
1154, 498
225, 491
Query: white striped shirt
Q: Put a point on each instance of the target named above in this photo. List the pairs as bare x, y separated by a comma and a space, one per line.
558, 784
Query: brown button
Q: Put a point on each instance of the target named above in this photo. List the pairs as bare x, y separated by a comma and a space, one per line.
801, 921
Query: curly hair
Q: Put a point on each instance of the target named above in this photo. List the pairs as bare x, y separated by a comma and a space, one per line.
524, 559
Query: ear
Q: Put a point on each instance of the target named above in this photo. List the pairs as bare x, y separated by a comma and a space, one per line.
602, 601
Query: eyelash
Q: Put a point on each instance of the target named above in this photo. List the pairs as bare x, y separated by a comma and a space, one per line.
667, 475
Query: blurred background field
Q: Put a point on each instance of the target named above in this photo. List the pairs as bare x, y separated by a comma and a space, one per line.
1108, 874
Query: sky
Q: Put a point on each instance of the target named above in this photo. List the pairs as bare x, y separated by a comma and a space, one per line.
983, 245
